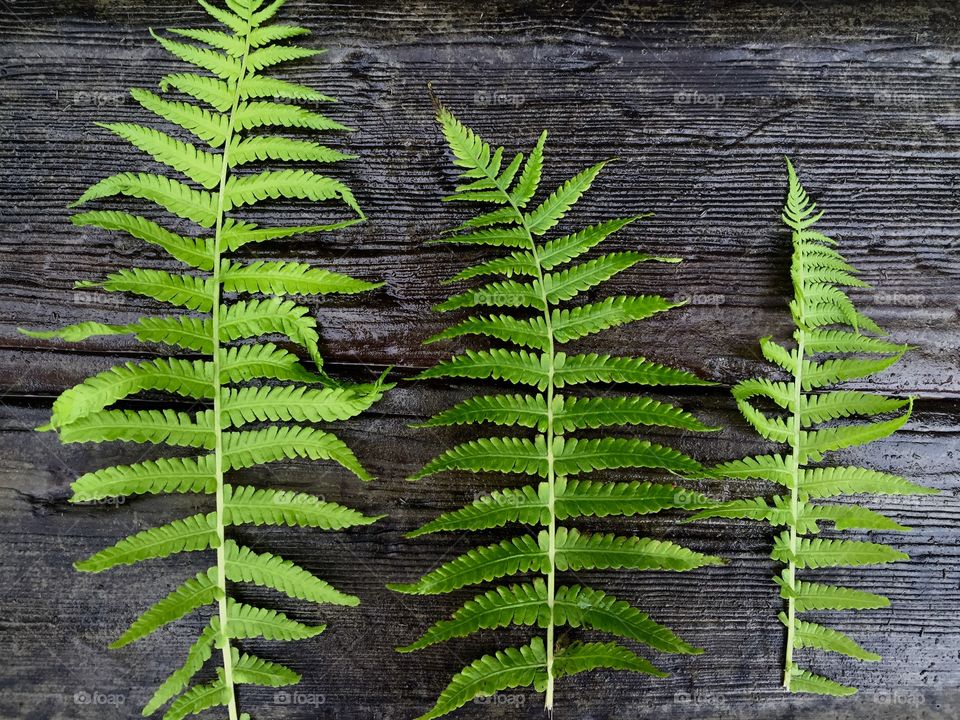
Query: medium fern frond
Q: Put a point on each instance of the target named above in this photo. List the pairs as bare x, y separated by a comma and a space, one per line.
537, 281
226, 307
826, 322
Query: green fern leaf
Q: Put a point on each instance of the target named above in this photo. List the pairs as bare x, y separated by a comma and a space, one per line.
194, 593
251, 670
817, 596
201, 167
580, 657
262, 113
576, 551
510, 668
211, 127
259, 86
812, 635
143, 426
804, 681
247, 621
575, 456
817, 552
257, 447
821, 311
509, 557
553, 209
166, 475
285, 149
514, 366
187, 291
181, 200
536, 317
196, 252
267, 570
192, 379
235, 381
197, 532
577, 369
265, 506
197, 699
503, 455
293, 402
213, 91
574, 323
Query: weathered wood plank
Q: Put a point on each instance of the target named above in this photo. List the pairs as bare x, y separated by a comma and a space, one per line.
699, 101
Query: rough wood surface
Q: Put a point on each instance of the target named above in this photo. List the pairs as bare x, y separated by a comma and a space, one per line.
699, 101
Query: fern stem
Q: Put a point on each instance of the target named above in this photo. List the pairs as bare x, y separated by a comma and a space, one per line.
228, 681
551, 572
795, 504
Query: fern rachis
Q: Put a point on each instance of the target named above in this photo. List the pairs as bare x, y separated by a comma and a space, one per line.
826, 322
253, 390
539, 278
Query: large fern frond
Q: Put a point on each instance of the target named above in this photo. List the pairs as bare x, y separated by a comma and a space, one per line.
249, 390
826, 323
532, 283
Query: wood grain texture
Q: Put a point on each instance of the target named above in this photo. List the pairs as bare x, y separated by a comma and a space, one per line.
699, 101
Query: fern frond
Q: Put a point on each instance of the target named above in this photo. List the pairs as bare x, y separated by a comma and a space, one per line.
241, 378
536, 282
826, 322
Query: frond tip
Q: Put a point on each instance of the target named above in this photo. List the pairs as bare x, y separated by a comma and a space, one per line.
826, 322
536, 284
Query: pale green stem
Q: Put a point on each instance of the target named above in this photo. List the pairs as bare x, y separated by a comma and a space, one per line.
795, 506
217, 429
550, 433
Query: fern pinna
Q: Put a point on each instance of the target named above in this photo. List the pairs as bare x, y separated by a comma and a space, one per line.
253, 388
831, 347
538, 328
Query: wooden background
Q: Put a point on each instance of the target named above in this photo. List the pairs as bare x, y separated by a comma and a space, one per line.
700, 101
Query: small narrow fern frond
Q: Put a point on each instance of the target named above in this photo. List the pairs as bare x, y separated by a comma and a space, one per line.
536, 288
245, 392
808, 417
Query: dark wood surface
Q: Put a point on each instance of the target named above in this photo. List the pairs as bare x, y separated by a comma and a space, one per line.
699, 101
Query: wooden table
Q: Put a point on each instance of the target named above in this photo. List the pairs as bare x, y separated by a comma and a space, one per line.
699, 101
